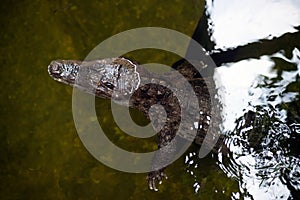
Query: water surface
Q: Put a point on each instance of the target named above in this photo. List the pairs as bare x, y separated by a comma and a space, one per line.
42, 156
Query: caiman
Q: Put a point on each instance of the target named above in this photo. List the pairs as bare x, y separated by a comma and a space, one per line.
116, 78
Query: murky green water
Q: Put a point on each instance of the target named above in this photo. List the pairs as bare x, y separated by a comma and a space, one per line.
41, 155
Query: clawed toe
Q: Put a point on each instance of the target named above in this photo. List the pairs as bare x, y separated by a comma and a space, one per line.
155, 177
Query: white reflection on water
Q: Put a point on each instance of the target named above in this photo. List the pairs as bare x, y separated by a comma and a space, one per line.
234, 81
237, 81
238, 22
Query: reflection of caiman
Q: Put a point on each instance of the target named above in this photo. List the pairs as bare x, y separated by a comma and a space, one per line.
116, 78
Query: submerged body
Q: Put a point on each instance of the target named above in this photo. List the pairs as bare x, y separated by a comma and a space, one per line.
130, 84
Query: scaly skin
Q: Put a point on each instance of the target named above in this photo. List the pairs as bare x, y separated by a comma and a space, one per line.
120, 79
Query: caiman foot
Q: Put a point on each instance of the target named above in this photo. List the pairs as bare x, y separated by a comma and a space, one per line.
155, 177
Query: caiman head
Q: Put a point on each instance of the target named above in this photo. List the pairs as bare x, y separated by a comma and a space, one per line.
104, 78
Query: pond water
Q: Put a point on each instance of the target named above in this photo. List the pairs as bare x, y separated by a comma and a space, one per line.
42, 156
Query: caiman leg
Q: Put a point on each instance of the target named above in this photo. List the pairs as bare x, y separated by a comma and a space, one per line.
143, 99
